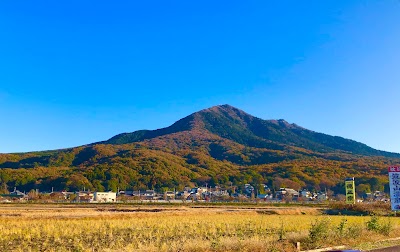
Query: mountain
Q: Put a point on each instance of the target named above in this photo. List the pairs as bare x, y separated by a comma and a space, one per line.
234, 124
218, 145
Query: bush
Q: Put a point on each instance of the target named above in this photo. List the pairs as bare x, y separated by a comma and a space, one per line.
368, 208
342, 227
374, 225
386, 228
281, 232
354, 231
319, 231
345, 230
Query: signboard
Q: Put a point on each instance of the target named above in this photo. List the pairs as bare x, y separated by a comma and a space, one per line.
350, 191
394, 184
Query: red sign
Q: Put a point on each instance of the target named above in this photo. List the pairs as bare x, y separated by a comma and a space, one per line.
394, 169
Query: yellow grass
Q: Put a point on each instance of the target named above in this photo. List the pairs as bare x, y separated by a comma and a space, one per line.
38, 228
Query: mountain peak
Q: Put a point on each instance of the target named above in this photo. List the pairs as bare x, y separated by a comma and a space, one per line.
228, 122
224, 107
227, 110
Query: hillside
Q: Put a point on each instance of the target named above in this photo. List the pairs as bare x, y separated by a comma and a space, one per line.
218, 145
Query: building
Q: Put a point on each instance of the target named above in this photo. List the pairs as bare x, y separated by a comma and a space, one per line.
182, 195
168, 195
322, 196
15, 195
264, 196
287, 193
105, 197
306, 194
149, 195
84, 196
248, 189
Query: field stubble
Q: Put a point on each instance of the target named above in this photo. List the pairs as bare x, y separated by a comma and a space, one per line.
41, 228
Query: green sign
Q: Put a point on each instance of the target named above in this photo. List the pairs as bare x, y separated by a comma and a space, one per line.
350, 191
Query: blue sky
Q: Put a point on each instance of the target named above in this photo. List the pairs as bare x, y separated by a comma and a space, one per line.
76, 72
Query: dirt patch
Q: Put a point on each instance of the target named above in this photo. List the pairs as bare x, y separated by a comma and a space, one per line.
10, 215
141, 210
267, 212
291, 211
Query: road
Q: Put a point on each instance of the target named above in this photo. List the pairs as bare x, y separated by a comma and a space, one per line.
390, 249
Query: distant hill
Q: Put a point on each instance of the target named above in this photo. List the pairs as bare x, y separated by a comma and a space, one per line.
218, 145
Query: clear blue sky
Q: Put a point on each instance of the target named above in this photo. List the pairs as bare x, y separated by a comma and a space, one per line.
76, 72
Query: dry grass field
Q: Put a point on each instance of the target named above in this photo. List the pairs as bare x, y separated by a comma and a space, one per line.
156, 228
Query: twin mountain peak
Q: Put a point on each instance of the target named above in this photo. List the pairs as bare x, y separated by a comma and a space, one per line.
234, 126
215, 145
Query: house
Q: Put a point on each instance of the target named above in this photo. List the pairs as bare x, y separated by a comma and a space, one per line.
195, 190
322, 196
149, 194
306, 194
266, 188
221, 193
168, 195
3, 200
182, 195
379, 196
248, 189
292, 192
15, 195
264, 196
287, 193
368, 196
375, 196
58, 196
67, 195
105, 197
84, 196
193, 197
203, 189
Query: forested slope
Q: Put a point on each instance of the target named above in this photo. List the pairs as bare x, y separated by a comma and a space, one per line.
218, 145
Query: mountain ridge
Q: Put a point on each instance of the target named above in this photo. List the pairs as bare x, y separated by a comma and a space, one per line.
253, 128
218, 146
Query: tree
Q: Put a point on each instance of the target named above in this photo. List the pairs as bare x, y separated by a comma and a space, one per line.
98, 186
279, 182
376, 184
33, 195
4, 188
112, 185
361, 189
78, 182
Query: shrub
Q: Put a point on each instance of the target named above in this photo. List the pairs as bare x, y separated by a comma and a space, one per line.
341, 228
373, 224
319, 231
281, 232
368, 208
383, 228
354, 231
386, 228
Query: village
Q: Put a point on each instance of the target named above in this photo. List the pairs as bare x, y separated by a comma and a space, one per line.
247, 193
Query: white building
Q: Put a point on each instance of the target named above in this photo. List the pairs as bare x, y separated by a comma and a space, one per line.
105, 197
322, 196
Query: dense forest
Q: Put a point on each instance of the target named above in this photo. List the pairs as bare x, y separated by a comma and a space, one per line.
221, 146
